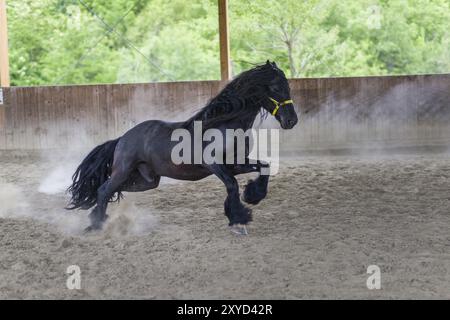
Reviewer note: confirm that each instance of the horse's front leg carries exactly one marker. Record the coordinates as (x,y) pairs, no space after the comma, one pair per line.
(255,190)
(238,215)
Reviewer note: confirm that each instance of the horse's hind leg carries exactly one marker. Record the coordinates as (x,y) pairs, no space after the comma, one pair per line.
(141,179)
(104,194)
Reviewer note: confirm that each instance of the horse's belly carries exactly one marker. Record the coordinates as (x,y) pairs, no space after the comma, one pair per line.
(186,172)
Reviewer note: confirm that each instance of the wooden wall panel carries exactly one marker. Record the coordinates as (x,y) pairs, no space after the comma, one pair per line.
(334,112)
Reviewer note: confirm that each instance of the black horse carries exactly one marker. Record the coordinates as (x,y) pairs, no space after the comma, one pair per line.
(136,161)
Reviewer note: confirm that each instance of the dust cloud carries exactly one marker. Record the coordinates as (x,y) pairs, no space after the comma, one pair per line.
(53,170)
(12,201)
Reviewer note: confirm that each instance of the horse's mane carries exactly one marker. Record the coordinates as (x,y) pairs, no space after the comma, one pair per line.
(240,98)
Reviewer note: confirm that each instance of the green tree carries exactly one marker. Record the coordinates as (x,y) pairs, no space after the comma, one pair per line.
(103,41)
(50,44)
(180,41)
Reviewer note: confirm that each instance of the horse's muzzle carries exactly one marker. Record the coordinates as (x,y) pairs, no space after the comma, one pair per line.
(289,123)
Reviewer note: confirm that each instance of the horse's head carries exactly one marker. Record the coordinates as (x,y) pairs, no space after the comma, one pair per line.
(279,102)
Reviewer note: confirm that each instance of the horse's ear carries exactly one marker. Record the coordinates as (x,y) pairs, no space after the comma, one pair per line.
(274,65)
(268,62)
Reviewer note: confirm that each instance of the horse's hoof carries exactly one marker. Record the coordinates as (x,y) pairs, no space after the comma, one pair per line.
(239,229)
(253,193)
(90,229)
(247,200)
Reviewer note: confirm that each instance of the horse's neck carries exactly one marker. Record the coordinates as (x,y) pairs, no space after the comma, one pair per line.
(252,116)
(247,122)
(243,122)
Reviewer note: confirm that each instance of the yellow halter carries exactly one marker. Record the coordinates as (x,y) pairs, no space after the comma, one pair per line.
(279,104)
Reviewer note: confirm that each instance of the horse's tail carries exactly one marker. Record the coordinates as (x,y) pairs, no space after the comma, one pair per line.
(90,175)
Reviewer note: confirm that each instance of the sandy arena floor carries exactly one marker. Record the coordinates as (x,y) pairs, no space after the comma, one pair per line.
(324,222)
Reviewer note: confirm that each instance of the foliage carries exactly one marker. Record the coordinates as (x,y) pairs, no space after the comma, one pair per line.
(102,41)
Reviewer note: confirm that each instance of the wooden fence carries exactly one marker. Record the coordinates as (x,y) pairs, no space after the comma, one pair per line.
(334,112)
